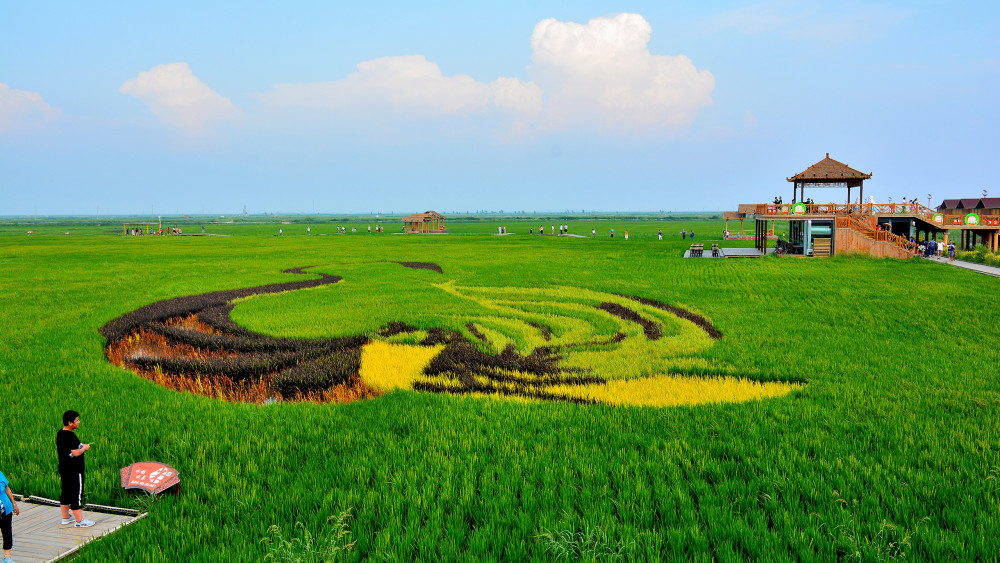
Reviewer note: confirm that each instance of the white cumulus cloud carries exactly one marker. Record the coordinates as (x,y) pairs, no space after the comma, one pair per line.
(408,84)
(598,75)
(21,109)
(601,73)
(179,98)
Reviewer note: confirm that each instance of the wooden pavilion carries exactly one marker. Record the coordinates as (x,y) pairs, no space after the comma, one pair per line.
(828,173)
(426,222)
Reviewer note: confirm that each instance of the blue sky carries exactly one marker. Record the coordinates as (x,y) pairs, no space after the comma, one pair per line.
(187,108)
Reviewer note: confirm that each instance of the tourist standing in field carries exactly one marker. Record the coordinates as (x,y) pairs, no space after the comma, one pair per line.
(593,232)
(71,470)
(659,234)
(8,509)
(626,234)
(684,234)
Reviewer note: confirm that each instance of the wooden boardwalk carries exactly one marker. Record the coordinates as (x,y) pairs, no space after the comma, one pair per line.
(730,253)
(38,537)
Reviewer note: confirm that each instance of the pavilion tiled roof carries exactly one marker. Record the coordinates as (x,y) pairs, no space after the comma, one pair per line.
(991,202)
(829,170)
(970,203)
(949,204)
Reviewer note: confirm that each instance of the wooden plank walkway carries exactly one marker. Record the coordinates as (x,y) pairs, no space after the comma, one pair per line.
(38,537)
(731,253)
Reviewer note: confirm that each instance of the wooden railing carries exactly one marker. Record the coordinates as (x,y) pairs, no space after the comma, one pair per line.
(847,209)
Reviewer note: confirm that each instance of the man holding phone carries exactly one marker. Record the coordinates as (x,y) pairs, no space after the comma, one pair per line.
(71,470)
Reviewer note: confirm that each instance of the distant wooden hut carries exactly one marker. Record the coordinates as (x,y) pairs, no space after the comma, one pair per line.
(426,222)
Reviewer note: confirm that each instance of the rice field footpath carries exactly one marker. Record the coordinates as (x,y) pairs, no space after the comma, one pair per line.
(884,446)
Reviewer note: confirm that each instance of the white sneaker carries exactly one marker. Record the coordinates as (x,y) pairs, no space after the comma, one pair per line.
(66,521)
(83,524)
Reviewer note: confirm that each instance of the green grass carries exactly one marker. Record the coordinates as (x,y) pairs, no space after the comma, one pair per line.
(890,451)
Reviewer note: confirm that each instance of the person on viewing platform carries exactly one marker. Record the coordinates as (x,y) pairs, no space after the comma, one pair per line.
(8,509)
(71,471)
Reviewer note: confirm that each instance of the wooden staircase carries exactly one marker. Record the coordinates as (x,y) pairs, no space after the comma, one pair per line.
(870,240)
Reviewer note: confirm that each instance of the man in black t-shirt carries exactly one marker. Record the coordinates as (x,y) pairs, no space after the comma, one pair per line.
(71,470)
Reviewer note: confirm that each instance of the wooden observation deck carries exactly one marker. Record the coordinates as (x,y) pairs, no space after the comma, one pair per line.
(890,223)
(879,229)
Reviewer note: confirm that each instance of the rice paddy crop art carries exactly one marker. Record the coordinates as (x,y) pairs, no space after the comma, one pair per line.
(360,335)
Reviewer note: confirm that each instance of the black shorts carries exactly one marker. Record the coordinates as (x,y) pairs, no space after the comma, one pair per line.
(72,490)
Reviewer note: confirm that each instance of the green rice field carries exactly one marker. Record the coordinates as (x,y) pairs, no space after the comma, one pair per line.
(887,449)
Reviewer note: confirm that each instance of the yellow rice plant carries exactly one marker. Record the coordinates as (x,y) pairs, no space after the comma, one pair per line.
(390,366)
(670,391)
